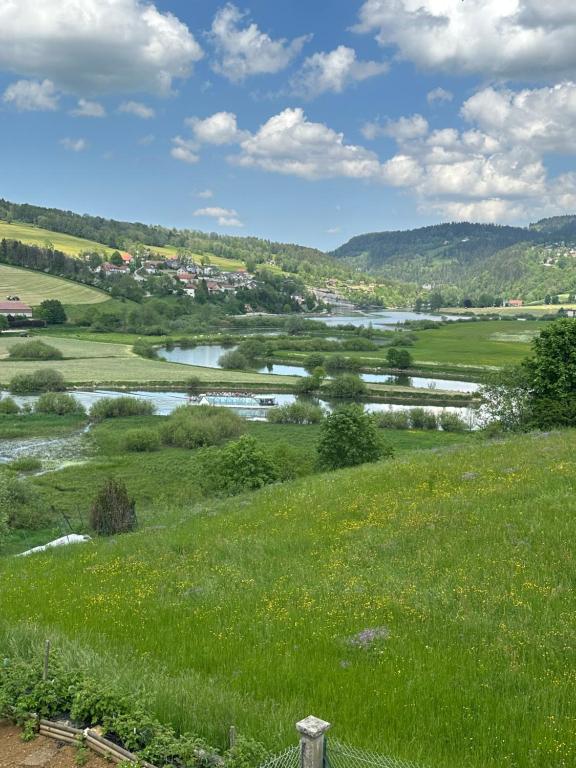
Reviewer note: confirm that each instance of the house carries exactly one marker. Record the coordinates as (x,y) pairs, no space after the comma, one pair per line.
(185,277)
(514,303)
(126,257)
(190,290)
(112,269)
(151,267)
(15,308)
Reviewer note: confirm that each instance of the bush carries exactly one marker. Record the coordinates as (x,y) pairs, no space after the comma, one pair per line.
(348,438)
(307,385)
(252,349)
(338,363)
(113,511)
(58,403)
(141,440)
(42,380)
(34,350)
(346,386)
(423,419)
(25,464)
(200,426)
(194,385)
(121,407)
(392,419)
(233,360)
(399,358)
(145,349)
(9,406)
(240,466)
(452,422)
(296,413)
(21,505)
(313,361)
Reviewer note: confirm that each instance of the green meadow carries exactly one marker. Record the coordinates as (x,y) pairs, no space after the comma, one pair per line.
(254,609)
(33,287)
(28,233)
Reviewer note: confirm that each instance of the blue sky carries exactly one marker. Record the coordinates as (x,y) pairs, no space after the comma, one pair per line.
(297,121)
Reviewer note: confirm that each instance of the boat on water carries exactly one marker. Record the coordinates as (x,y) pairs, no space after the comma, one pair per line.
(233,400)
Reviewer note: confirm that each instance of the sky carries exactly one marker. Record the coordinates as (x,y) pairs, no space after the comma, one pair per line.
(306,121)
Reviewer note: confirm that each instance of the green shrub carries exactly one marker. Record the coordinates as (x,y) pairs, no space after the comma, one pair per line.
(252,349)
(399,358)
(141,440)
(58,403)
(240,466)
(338,363)
(296,413)
(307,385)
(200,426)
(452,422)
(348,438)
(346,386)
(42,380)
(194,385)
(420,418)
(121,407)
(9,406)
(145,349)
(113,511)
(34,350)
(392,419)
(313,361)
(233,360)
(25,464)
(21,504)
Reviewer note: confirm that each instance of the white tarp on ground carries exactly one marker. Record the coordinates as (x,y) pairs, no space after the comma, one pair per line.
(72,538)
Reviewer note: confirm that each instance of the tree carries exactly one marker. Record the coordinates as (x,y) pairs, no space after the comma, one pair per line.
(4,324)
(243,465)
(399,358)
(116,259)
(348,386)
(113,511)
(52,311)
(348,437)
(506,398)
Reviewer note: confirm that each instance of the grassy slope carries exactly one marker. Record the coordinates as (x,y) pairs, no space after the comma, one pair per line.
(240,611)
(33,287)
(28,233)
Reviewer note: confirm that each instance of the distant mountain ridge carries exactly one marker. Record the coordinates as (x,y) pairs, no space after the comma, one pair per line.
(470,258)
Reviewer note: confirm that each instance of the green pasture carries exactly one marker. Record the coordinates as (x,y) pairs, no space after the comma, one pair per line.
(250,610)
(28,233)
(33,287)
(231,265)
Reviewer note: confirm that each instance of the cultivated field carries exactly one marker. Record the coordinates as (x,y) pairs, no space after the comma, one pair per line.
(69,244)
(33,287)
(424,608)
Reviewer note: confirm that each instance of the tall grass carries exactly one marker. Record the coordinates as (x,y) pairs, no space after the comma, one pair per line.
(242,611)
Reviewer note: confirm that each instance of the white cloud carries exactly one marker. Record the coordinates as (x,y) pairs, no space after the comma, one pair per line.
(137,109)
(219,128)
(87,108)
(244,50)
(226,217)
(403,129)
(184,150)
(205,194)
(543,119)
(74,145)
(506,38)
(145,141)
(32,96)
(333,230)
(333,72)
(289,143)
(96,46)
(439,95)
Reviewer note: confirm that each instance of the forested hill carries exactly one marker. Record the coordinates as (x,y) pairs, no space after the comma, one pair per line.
(472,258)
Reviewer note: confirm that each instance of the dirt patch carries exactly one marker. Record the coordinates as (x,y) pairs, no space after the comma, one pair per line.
(39,753)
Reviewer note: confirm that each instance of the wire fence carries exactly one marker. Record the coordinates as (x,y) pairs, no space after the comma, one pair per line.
(339,755)
(289,758)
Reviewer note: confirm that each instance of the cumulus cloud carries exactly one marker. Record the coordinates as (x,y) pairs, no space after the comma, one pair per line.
(333,72)
(96,46)
(522,39)
(87,108)
(74,145)
(289,143)
(137,109)
(225,217)
(439,95)
(243,49)
(184,150)
(32,96)
(402,129)
(219,128)
(543,118)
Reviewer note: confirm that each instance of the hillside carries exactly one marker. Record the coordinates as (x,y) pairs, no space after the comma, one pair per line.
(34,287)
(423,607)
(505,262)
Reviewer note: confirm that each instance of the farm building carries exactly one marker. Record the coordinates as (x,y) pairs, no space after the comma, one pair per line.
(15,308)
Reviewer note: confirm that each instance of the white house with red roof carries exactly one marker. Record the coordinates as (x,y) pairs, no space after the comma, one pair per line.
(15,308)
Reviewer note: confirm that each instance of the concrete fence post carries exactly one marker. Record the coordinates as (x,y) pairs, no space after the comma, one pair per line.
(312,731)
